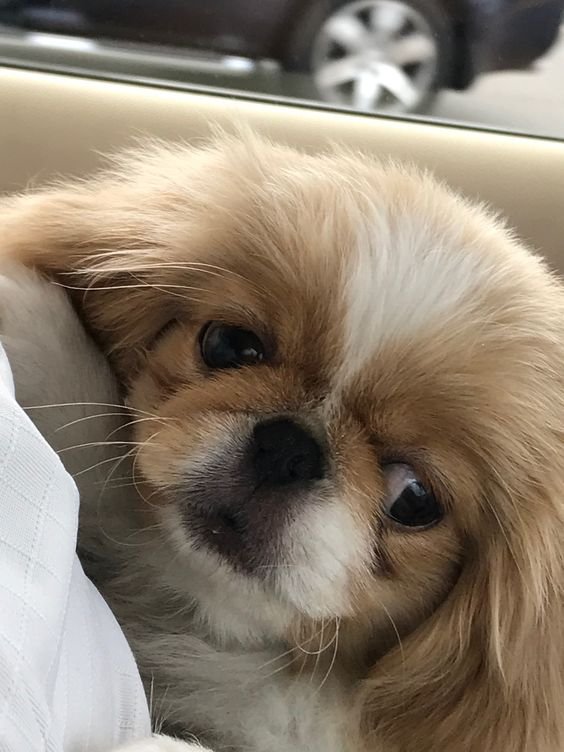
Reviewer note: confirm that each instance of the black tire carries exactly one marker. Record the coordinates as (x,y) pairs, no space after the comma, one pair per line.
(298,52)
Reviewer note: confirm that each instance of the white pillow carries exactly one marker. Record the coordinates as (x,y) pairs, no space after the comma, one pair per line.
(68,680)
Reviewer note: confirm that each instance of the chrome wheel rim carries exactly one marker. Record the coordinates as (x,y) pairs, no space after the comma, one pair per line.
(375,55)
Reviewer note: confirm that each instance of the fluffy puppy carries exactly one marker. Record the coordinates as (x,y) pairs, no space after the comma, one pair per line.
(347,399)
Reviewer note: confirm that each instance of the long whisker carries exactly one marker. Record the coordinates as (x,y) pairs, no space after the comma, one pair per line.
(140,284)
(128,408)
(123,544)
(276,658)
(97,465)
(287,652)
(135,447)
(281,668)
(285,565)
(396,631)
(158,716)
(334,657)
(293,650)
(135,421)
(119,479)
(137,266)
(101,444)
(135,269)
(124,414)
(319,652)
(168,289)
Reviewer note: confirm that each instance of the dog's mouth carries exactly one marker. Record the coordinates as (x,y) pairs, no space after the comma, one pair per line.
(242,531)
(225,527)
(228,533)
(226,523)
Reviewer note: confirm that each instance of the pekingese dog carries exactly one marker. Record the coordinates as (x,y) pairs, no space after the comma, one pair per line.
(342,527)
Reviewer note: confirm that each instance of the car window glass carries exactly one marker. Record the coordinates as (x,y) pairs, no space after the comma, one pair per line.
(493,63)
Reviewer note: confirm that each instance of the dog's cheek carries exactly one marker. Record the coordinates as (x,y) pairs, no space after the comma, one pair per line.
(413,573)
(174,449)
(151,389)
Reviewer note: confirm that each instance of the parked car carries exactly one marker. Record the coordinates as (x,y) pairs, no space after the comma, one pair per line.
(390,55)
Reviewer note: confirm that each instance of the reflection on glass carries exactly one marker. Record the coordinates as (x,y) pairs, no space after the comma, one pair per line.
(486,62)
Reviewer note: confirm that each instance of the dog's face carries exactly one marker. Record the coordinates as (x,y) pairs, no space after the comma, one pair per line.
(350,389)
(313,437)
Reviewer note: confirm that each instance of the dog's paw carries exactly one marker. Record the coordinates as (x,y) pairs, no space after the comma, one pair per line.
(159,743)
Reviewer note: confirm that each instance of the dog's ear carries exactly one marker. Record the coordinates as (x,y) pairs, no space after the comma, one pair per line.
(105,241)
(486,672)
(132,242)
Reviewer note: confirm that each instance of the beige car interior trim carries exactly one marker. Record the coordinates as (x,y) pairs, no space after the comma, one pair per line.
(58,124)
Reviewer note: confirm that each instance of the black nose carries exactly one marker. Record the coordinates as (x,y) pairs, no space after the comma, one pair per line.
(284,453)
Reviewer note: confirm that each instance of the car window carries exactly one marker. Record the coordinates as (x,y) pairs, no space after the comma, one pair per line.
(492,63)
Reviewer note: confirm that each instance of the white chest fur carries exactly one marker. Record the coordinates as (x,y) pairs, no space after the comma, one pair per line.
(250,700)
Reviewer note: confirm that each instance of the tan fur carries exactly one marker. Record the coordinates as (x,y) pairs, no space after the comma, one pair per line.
(449,638)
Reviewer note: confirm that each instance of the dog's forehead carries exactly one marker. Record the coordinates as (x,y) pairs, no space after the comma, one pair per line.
(400,285)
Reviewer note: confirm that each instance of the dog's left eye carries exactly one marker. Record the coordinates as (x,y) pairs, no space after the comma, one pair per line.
(408,501)
(225,346)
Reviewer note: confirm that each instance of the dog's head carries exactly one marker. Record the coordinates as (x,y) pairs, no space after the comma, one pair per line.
(348,385)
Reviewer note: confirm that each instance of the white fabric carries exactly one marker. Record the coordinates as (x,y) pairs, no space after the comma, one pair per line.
(68,680)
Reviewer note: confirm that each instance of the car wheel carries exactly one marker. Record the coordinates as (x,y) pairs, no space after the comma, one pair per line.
(386,55)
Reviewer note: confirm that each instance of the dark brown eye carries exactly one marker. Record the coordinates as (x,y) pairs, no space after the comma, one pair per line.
(225,346)
(408,501)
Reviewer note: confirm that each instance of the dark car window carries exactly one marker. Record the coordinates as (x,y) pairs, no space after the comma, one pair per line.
(495,63)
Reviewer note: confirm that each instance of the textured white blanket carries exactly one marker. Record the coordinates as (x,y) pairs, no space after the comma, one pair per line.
(68,680)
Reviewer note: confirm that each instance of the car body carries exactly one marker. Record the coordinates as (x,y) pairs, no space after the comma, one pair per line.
(504,34)
(470,37)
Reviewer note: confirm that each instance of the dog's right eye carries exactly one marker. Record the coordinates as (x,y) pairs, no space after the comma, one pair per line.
(225,346)
(408,501)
